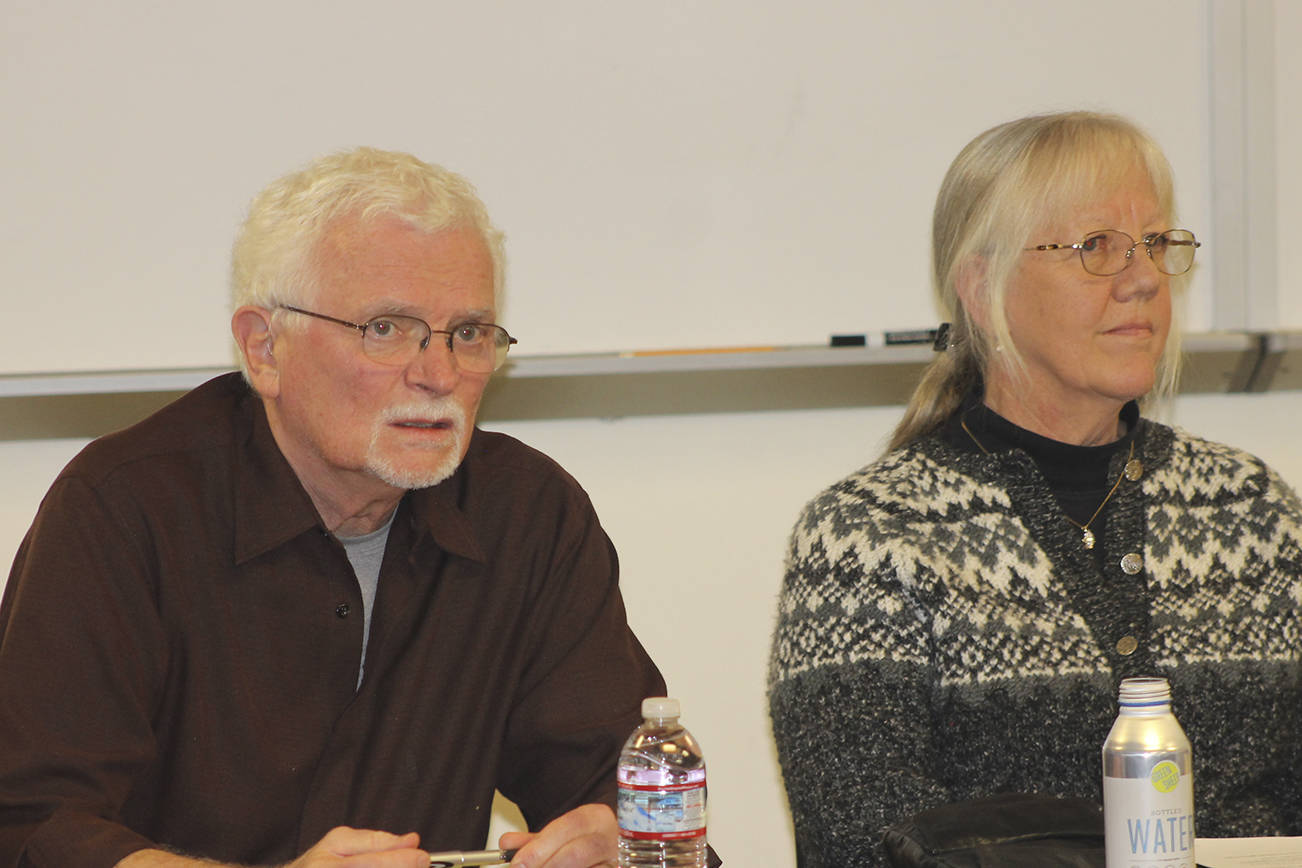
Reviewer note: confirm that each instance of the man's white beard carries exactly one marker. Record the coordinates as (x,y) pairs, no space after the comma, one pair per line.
(423,477)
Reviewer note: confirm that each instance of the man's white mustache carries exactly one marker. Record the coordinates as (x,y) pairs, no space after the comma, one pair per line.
(428,411)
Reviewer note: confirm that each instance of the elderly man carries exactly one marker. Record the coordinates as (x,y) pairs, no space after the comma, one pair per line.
(310,614)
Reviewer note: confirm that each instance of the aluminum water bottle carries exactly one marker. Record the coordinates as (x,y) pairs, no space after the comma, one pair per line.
(1148,808)
(661,792)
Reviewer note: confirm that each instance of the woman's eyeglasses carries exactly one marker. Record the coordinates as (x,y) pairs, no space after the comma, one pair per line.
(1110,251)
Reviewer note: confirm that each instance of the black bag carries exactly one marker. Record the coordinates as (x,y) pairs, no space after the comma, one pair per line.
(1010,830)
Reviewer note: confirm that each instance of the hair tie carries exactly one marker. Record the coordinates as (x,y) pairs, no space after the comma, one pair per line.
(941,342)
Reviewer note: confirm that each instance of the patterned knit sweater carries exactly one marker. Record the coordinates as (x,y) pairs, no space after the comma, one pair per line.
(942,634)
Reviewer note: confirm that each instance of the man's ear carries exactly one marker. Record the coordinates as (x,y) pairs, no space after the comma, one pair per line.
(973,291)
(251,327)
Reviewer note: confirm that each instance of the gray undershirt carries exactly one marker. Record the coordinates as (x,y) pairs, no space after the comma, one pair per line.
(366,554)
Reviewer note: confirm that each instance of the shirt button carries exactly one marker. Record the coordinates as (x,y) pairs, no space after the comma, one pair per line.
(1131,564)
(1134,469)
(343,609)
(1126,645)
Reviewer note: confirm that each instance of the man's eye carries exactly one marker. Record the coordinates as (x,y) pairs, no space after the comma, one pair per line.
(469,333)
(385,328)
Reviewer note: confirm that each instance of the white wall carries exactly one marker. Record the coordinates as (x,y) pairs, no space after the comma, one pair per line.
(700,508)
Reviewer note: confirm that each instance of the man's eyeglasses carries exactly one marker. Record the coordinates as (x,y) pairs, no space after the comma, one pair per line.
(394,339)
(1110,251)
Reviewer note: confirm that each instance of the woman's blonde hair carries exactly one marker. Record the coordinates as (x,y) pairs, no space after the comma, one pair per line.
(1008,182)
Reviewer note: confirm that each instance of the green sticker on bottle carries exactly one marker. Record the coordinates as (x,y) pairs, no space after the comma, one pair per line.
(1165,776)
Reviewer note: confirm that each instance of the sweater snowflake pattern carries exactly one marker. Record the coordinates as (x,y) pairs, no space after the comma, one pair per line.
(943,634)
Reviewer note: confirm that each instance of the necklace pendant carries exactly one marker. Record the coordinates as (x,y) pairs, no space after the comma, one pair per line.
(1087,538)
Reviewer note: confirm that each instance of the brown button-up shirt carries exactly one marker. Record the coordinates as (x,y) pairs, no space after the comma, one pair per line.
(180,641)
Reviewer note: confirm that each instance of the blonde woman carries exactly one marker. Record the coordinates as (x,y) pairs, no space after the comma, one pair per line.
(956,617)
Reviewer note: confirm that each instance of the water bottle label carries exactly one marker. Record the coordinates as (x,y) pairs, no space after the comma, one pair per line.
(1149,820)
(664,813)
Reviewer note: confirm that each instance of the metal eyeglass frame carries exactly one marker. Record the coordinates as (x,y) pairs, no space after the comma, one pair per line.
(1147,241)
(499,360)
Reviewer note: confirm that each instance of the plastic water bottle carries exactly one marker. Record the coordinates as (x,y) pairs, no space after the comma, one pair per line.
(661,792)
(1148,813)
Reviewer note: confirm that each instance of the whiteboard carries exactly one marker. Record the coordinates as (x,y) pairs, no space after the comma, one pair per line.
(668,175)
(1288,139)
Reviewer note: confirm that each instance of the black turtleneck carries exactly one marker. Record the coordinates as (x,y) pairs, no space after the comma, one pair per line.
(1077,475)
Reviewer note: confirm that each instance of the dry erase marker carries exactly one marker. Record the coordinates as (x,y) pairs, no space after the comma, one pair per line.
(853,340)
(470,857)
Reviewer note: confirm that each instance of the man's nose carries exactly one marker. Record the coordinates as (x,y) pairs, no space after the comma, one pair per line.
(435,367)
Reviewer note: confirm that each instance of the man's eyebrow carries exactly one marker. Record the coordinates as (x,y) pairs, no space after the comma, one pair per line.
(483,315)
(393,307)
(389,306)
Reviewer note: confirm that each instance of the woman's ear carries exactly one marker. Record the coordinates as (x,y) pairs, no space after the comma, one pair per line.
(251,326)
(973,290)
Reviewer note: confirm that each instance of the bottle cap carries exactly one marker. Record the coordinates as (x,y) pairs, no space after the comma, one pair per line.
(660,707)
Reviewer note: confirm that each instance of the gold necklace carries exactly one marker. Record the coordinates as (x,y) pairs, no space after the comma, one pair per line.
(1087,536)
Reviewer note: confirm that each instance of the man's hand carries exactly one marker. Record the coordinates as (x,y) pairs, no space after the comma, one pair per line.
(363,848)
(340,848)
(586,837)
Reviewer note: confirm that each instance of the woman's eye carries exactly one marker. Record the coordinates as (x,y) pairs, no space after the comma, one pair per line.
(1094,243)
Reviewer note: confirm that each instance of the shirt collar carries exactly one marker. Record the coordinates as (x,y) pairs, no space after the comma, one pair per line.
(272,507)
(442,510)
